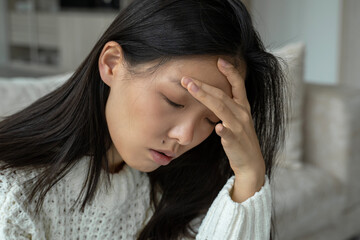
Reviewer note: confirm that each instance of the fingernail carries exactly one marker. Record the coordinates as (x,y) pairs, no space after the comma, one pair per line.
(186,80)
(194,88)
(224,63)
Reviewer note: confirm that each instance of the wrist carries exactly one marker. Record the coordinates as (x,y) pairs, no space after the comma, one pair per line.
(246,185)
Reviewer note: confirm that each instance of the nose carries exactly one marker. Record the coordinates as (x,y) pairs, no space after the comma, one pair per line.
(183,132)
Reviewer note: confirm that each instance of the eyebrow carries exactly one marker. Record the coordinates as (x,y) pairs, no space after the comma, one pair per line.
(178,83)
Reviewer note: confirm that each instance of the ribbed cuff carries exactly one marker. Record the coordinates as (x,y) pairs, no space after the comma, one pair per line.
(229,220)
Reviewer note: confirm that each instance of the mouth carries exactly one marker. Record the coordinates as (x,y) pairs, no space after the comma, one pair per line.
(162,157)
(167,153)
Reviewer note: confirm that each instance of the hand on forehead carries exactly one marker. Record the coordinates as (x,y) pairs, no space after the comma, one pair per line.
(204,69)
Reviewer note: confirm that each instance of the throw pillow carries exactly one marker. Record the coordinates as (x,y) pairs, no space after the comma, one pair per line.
(18,93)
(293,56)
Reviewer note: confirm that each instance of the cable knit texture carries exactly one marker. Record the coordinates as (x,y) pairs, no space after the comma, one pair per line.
(119,212)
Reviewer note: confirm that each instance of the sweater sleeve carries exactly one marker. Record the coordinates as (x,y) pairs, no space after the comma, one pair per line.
(230,220)
(15,222)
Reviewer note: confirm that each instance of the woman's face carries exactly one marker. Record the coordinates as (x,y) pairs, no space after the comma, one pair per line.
(152,114)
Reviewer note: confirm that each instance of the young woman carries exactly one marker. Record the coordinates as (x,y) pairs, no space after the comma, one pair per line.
(167,130)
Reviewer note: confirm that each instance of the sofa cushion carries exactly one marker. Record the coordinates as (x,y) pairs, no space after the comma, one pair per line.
(305,200)
(17,93)
(293,67)
(332,134)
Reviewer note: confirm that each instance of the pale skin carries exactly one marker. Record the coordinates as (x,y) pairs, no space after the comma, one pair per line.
(237,132)
(215,91)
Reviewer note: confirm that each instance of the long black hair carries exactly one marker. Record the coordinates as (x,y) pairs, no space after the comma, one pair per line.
(69,123)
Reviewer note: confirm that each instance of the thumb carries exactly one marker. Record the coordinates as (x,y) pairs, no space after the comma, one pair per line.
(222,131)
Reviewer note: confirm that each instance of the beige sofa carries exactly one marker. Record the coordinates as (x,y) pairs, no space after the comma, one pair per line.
(321,199)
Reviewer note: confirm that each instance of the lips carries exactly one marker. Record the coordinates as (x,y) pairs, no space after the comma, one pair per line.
(167,153)
(162,157)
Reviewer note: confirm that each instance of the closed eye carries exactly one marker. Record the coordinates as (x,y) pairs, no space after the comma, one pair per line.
(172,103)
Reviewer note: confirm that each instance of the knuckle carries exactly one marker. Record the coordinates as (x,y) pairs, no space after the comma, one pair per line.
(202,94)
(239,130)
(246,117)
(220,106)
(222,96)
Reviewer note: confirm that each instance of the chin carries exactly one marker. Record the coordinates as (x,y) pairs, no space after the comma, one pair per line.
(146,168)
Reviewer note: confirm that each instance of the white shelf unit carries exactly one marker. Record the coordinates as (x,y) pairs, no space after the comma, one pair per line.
(33,39)
(52,41)
(78,32)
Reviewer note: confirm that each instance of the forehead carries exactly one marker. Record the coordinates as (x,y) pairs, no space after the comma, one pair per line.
(202,68)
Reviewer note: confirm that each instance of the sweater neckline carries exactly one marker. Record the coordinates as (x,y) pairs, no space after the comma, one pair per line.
(122,184)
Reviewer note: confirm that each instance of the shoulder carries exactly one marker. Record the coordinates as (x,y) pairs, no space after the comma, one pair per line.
(14,178)
(13,184)
(12,191)
(15,219)
(18,182)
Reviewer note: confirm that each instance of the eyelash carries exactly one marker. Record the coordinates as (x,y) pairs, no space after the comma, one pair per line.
(181,106)
(173,104)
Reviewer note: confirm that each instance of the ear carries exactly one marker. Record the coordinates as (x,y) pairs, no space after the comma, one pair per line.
(110,60)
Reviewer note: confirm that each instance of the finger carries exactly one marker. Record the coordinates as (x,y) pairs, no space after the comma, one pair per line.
(213,91)
(228,137)
(239,111)
(217,106)
(236,80)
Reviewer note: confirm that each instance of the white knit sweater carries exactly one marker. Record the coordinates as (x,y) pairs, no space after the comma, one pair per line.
(121,212)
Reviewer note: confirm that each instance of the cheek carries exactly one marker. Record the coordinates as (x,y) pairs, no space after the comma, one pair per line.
(149,116)
(116,118)
(206,132)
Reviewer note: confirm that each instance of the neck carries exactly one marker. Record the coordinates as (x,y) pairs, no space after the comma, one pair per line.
(115,162)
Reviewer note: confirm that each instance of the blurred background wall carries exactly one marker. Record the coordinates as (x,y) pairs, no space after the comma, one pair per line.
(3,32)
(350,54)
(329,28)
(42,37)
(316,22)
(49,36)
